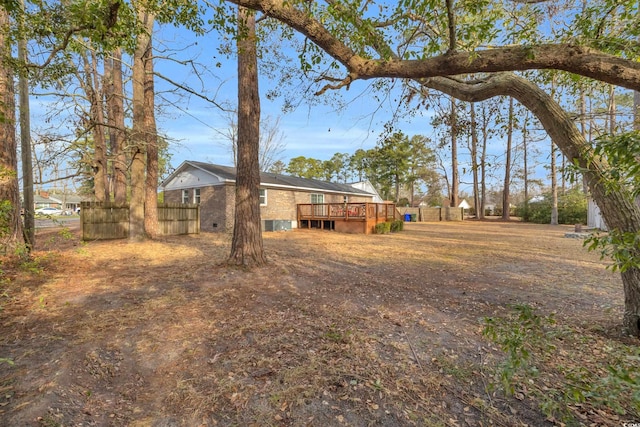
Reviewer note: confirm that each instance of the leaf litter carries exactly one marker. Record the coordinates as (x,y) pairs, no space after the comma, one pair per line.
(336,330)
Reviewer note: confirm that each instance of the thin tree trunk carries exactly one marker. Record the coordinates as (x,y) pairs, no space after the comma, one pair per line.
(474,159)
(115,106)
(583,127)
(455,179)
(636,110)
(10,221)
(412,188)
(563,177)
(396,179)
(151,184)
(506,199)
(554,172)
(25,149)
(246,246)
(483,162)
(612,110)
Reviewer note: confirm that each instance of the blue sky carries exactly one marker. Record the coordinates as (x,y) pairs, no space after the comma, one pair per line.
(317,131)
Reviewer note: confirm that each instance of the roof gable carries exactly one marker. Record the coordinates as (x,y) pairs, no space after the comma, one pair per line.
(195,174)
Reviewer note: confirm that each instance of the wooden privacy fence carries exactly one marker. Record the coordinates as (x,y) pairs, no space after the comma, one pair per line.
(101,221)
(433,214)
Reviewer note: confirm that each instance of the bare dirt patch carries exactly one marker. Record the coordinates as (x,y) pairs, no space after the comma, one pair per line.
(337,330)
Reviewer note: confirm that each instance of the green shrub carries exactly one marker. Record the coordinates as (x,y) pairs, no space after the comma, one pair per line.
(572,209)
(403,202)
(383,228)
(397,225)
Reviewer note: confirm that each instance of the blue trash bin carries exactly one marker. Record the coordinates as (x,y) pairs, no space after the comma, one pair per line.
(407,217)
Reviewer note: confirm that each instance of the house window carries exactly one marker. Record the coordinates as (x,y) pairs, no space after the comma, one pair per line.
(196,196)
(317,198)
(263,197)
(185,196)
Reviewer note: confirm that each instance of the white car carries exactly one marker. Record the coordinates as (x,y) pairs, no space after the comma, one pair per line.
(48,211)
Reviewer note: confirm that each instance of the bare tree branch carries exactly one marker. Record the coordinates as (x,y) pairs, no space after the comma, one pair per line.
(344,82)
(189,90)
(62,178)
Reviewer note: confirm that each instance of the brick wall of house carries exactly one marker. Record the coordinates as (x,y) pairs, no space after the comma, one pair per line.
(216,206)
(281,204)
(173,196)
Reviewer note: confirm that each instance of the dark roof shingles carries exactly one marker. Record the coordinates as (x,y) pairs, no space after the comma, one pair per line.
(266,178)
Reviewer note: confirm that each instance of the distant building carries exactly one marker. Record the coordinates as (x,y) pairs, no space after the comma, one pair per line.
(65,202)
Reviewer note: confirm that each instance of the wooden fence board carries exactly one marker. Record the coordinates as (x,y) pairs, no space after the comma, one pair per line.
(103,221)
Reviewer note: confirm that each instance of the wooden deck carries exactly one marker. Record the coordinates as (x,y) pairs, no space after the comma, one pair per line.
(345,217)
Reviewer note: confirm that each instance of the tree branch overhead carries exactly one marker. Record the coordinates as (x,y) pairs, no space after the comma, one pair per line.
(581,60)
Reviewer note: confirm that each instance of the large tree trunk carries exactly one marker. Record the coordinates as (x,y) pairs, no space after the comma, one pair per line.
(246,247)
(139,136)
(115,107)
(25,150)
(151,183)
(96,123)
(525,165)
(618,208)
(10,222)
(631,317)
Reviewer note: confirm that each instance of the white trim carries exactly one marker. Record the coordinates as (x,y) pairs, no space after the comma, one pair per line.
(187,187)
(316,190)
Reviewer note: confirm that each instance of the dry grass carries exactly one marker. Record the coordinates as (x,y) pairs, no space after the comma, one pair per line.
(336,330)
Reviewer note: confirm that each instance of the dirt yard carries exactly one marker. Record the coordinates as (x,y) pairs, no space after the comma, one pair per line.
(338,330)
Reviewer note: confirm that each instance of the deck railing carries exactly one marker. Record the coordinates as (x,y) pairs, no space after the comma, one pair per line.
(346,211)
